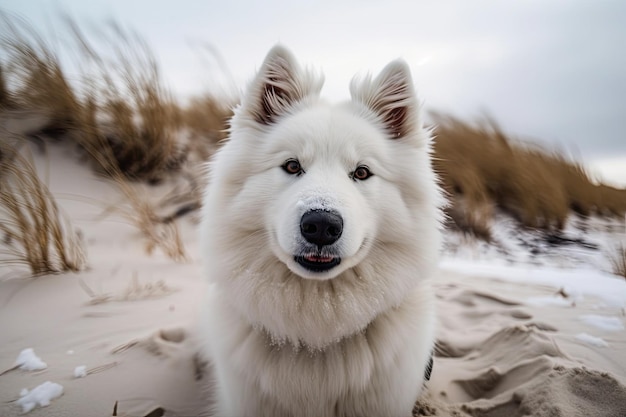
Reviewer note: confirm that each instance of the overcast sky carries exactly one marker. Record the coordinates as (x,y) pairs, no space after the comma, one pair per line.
(550,70)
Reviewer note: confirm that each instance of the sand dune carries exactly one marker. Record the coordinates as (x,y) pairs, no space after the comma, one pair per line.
(499,356)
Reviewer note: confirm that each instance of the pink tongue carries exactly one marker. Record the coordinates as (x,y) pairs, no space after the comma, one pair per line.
(315,258)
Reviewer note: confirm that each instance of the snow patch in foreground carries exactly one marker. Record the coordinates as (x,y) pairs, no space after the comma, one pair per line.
(591,340)
(80,371)
(547,301)
(41,396)
(609,323)
(28,361)
(577,283)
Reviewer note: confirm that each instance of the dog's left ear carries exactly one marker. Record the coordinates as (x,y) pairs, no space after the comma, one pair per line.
(278,86)
(391,97)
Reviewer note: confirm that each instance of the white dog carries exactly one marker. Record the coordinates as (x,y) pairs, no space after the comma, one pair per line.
(321,227)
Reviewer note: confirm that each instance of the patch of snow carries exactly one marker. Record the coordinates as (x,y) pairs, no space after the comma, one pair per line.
(584,242)
(41,396)
(591,340)
(28,361)
(80,371)
(609,323)
(576,283)
(549,301)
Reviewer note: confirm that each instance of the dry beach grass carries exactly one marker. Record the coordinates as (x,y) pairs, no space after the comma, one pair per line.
(34,231)
(482,168)
(113,103)
(118,112)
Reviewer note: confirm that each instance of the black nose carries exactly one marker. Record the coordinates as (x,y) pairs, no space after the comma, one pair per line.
(321,227)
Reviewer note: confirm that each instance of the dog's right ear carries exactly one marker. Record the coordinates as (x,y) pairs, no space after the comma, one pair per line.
(279,85)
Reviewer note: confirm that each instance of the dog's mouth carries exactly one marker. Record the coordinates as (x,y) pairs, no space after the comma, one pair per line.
(317,263)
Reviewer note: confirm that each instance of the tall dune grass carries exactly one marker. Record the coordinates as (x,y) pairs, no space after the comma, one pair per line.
(114,103)
(481,168)
(33,69)
(116,109)
(5,98)
(35,232)
(140,211)
(206,117)
(136,117)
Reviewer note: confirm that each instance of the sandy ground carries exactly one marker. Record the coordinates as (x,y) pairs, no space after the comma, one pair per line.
(130,320)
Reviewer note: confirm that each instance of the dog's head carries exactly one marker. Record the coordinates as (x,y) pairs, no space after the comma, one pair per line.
(308,193)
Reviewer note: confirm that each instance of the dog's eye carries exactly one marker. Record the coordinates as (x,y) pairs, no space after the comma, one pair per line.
(292,166)
(361,173)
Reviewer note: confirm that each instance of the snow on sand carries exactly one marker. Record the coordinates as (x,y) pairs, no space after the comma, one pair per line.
(41,396)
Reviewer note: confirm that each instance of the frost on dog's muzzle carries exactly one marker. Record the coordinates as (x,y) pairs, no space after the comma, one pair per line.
(320,228)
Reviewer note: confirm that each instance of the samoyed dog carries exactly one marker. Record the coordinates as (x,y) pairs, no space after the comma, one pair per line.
(320,230)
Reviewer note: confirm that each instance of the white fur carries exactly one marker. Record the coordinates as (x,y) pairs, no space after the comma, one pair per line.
(351,341)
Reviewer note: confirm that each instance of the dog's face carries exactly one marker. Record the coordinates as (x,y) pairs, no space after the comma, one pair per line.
(310,199)
(325,166)
(327,191)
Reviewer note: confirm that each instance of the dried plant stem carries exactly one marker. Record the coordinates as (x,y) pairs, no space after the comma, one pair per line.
(618,261)
(36,233)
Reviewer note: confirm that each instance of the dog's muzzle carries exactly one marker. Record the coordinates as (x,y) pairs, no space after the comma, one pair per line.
(320,228)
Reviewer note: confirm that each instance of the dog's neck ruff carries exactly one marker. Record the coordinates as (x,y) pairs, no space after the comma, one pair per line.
(313,314)
(297,346)
(325,287)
